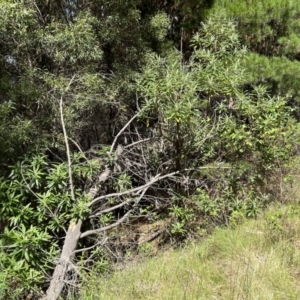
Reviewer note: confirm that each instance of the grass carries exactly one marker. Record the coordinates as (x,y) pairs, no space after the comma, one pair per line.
(259,259)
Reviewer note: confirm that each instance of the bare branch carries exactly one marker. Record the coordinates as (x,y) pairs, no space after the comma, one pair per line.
(137,142)
(93,246)
(76,144)
(37,8)
(121,204)
(67,148)
(137,189)
(95,231)
(120,132)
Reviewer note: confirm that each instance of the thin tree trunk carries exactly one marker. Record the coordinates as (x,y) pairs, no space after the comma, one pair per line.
(58,278)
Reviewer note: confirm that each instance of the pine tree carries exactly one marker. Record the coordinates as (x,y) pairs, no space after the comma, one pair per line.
(271,31)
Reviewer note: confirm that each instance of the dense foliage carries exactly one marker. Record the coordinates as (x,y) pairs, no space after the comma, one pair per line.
(118,111)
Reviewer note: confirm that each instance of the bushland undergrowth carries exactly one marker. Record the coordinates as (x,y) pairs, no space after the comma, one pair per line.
(124,122)
(258,259)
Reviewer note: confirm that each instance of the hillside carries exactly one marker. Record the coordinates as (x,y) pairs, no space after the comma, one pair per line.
(259,259)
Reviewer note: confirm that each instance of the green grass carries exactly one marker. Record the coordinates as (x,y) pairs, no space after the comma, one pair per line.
(259,259)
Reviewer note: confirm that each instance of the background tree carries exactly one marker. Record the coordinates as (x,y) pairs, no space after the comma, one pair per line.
(270,29)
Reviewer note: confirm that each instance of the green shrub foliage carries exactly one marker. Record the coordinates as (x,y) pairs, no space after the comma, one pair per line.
(215,100)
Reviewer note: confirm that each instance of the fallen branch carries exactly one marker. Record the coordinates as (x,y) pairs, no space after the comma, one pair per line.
(121,204)
(95,231)
(134,190)
(58,279)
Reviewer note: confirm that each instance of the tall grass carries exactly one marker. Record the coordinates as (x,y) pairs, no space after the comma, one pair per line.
(259,259)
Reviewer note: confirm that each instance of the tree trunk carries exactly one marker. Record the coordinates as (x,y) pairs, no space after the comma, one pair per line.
(59,275)
(58,279)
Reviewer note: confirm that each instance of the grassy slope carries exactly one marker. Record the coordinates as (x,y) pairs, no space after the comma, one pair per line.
(259,259)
